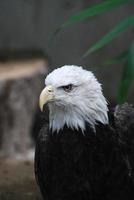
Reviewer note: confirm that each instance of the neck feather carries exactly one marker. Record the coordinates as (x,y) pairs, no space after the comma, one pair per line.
(75,117)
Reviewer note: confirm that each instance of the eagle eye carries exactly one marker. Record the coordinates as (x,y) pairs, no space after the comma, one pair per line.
(67,88)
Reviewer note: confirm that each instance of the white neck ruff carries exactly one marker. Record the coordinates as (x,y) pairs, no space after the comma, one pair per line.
(76,117)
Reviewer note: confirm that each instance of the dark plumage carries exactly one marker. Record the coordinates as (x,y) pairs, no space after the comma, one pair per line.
(97,165)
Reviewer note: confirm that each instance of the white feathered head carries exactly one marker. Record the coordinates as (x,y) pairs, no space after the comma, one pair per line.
(74,97)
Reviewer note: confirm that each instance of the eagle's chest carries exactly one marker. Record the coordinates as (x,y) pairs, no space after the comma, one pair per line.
(83,165)
(79,158)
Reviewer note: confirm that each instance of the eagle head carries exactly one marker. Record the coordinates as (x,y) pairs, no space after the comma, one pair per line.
(74,97)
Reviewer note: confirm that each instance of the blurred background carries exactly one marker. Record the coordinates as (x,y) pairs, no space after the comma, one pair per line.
(29,49)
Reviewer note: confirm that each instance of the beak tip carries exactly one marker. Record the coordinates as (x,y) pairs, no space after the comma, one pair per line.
(41,106)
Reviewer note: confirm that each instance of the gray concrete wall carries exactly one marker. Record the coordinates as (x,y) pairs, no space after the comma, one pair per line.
(31,23)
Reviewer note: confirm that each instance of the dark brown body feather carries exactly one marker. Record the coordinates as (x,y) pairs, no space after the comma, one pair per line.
(91,166)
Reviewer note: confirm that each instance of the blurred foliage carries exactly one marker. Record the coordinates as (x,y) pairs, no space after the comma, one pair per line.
(127,56)
(128,75)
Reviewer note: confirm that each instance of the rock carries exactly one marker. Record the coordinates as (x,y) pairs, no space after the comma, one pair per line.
(20,85)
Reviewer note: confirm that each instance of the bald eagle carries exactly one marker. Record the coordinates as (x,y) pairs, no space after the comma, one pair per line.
(85,152)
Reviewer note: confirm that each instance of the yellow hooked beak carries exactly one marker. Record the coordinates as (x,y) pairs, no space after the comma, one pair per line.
(46,96)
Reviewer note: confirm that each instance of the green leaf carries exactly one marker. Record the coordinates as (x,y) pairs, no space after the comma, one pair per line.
(94,10)
(121,27)
(127,77)
(123,56)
